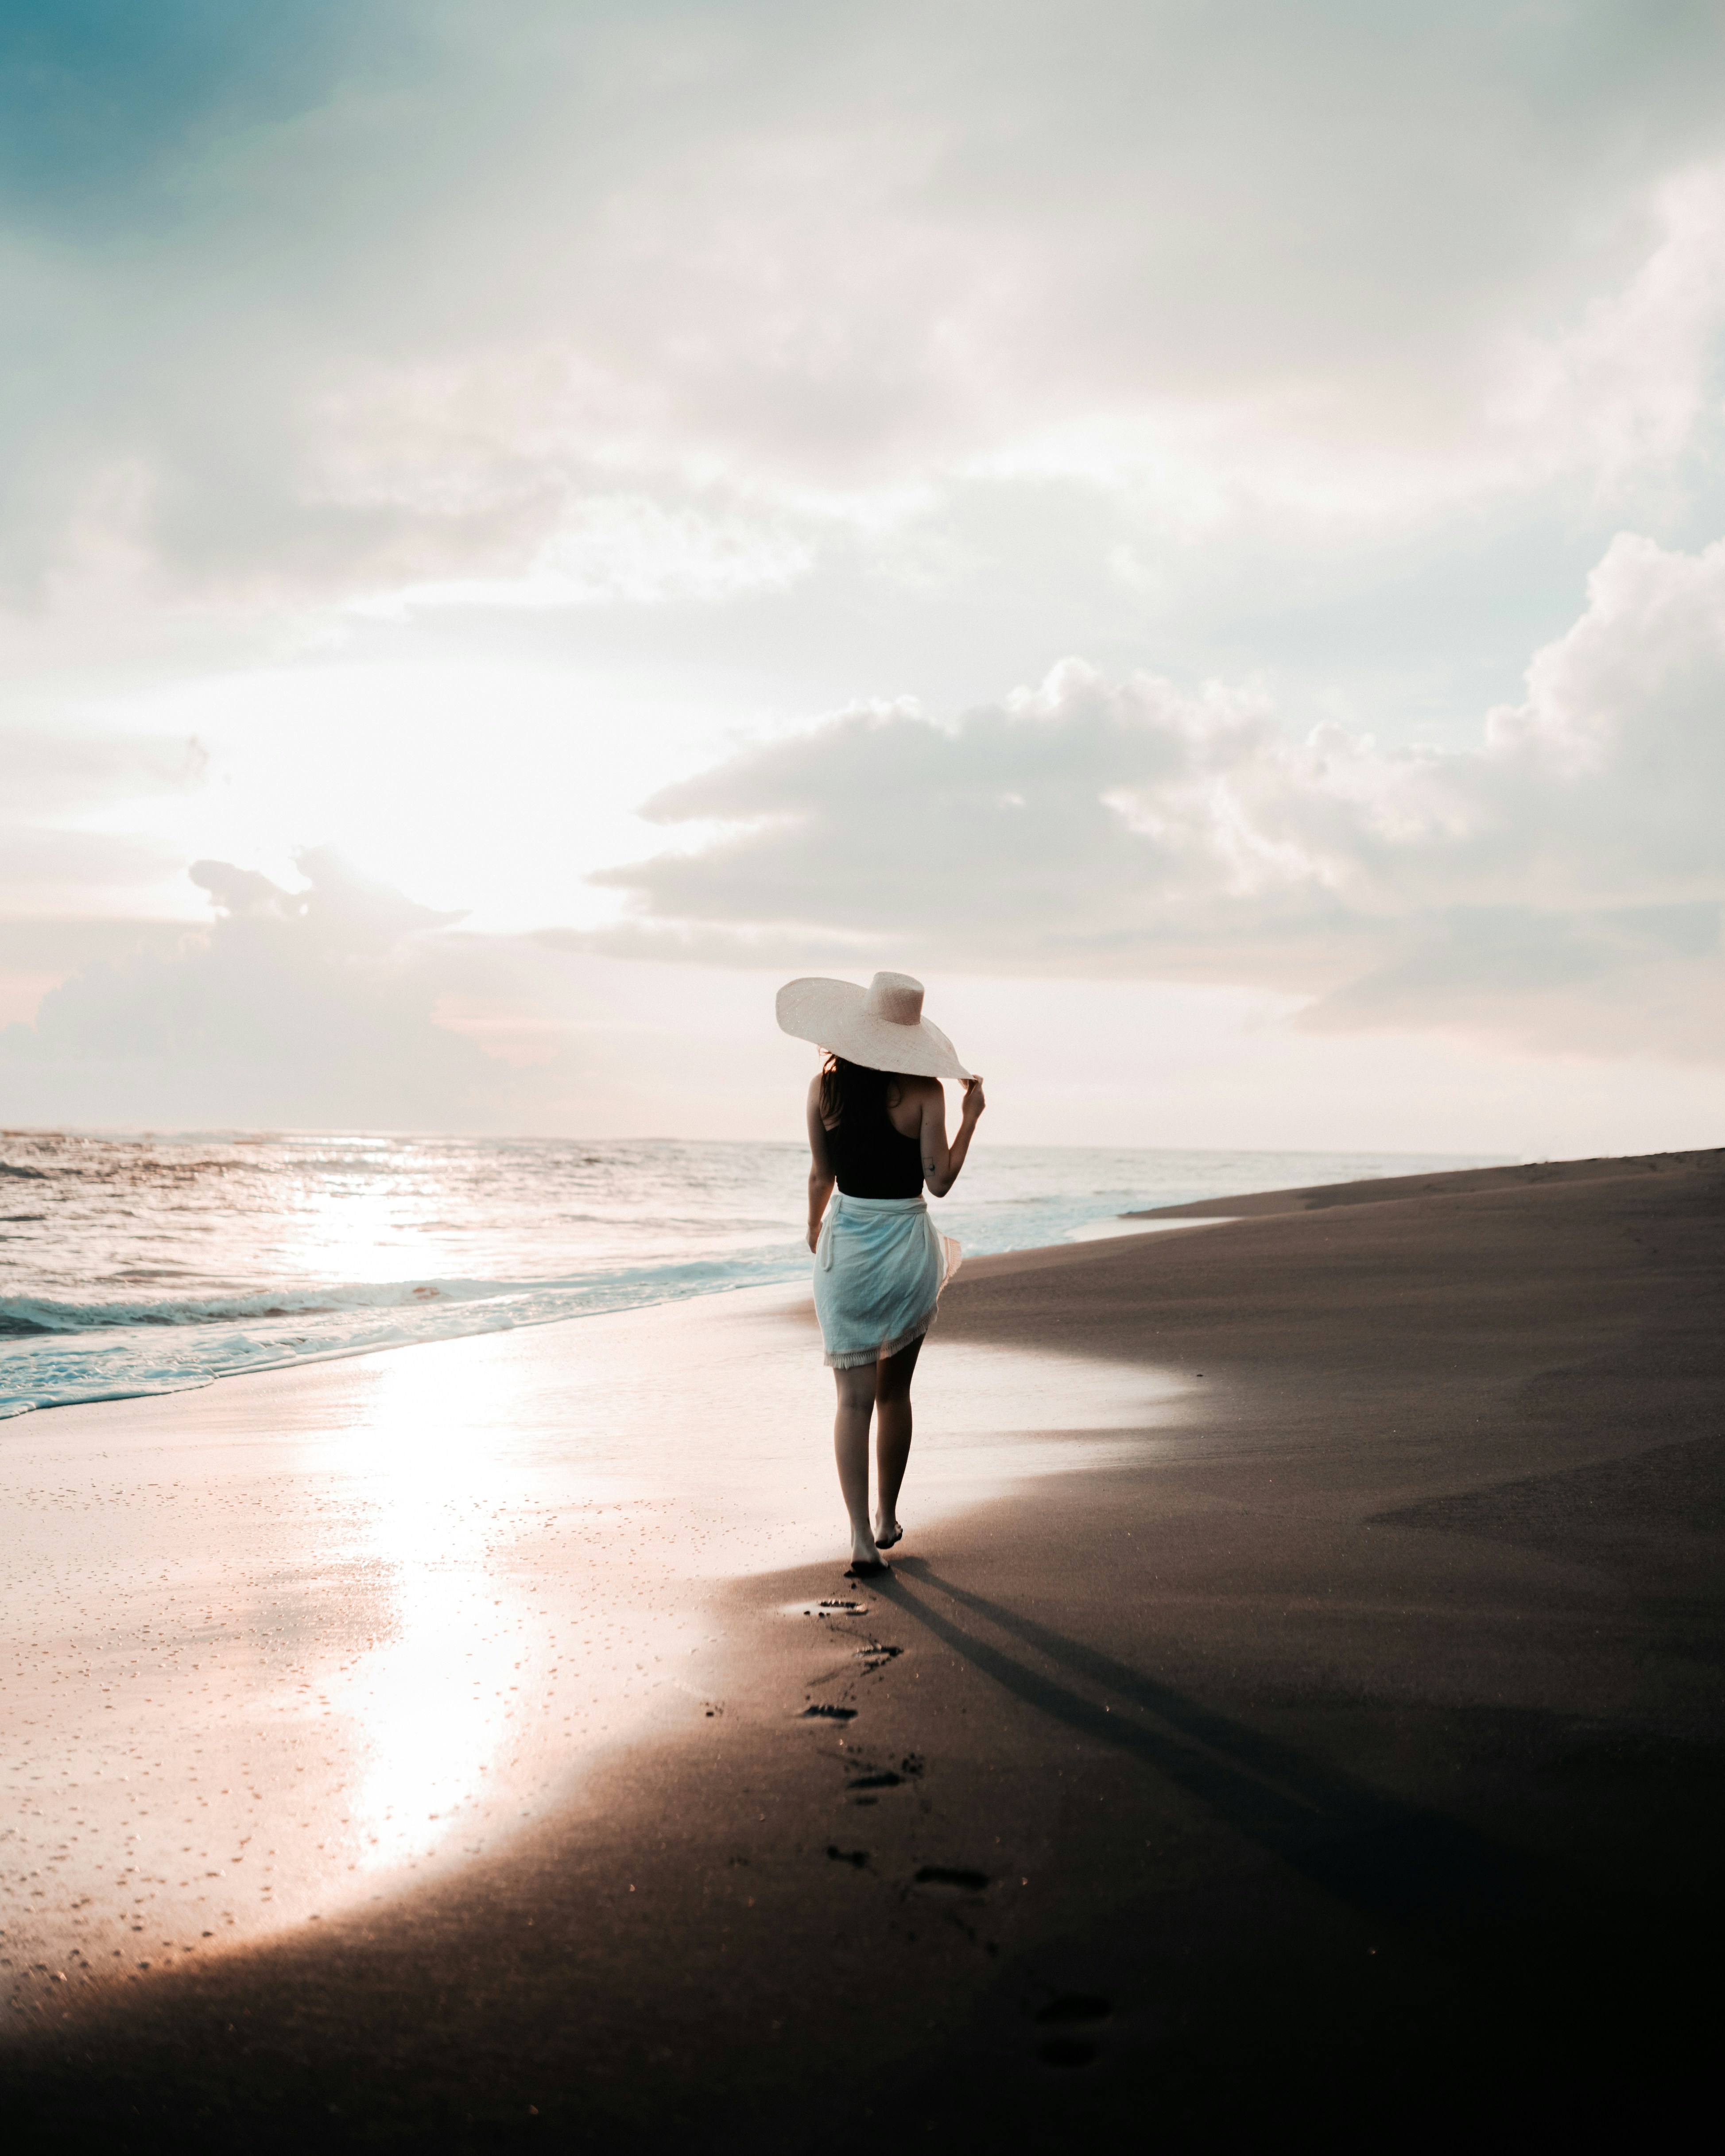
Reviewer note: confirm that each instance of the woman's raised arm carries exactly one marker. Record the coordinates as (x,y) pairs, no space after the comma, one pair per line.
(941,1162)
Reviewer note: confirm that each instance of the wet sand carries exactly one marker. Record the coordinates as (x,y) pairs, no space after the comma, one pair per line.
(1295,1708)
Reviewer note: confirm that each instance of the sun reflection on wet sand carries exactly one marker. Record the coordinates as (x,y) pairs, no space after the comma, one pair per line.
(423,1705)
(298,1641)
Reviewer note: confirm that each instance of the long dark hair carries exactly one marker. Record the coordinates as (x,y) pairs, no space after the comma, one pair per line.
(855,1083)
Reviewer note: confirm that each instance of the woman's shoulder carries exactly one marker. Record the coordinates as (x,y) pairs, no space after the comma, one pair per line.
(814,1106)
(908,1087)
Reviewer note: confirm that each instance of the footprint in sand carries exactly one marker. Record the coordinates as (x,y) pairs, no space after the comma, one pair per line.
(951,1874)
(884,1779)
(820,1711)
(867,1777)
(1068,2013)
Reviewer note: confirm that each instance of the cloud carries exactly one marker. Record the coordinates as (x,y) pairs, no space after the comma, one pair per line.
(66,790)
(311,1008)
(50,771)
(343,1004)
(70,871)
(1558,882)
(1632,379)
(611,549)
(409,302)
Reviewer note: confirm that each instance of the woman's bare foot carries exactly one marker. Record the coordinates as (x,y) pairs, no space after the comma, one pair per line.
(888,1534)
(863,1548)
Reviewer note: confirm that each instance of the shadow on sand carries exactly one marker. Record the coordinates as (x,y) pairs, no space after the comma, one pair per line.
(1392,1859)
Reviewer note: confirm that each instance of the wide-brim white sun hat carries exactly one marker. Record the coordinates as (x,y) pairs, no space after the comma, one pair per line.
(882,1027)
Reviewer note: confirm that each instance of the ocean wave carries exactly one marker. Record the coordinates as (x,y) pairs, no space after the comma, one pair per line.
(42,1314)
(15,1326)
(24,1316)
(65,1354)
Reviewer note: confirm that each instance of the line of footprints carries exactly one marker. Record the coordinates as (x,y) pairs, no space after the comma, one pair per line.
(1071,2018)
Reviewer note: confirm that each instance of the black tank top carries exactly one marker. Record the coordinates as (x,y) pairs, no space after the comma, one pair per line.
(869,1157)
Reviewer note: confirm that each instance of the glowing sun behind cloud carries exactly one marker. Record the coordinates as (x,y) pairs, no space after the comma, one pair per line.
(1107,500)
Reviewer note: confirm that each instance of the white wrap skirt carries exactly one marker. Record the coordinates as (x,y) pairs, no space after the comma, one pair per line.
(879,1265)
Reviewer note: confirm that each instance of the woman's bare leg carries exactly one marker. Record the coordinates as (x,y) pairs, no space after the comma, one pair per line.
(893,1439)
(850,1449)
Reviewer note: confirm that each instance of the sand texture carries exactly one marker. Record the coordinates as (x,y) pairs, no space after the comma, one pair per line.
(1295,1711)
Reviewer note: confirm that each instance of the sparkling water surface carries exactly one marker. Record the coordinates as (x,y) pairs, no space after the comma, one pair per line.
(133,1264)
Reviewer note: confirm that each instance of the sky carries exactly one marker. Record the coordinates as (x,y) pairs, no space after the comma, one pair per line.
(1197,529)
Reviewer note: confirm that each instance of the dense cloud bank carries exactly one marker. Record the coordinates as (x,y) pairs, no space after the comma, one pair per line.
(313,1008)
(1558,885)
(1560,882)
(406,298)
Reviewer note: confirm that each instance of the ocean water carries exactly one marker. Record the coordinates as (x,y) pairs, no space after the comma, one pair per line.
(132,1265)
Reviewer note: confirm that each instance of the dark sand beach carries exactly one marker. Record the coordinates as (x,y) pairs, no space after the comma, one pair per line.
(1338,1759)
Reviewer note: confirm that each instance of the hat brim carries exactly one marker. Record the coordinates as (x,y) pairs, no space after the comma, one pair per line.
(830,1013)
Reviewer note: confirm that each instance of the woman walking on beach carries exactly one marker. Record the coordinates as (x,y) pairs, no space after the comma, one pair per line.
(877,1128)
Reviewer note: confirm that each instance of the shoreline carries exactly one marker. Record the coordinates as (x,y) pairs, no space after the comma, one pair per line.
(1352,1711)
(240,1329)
